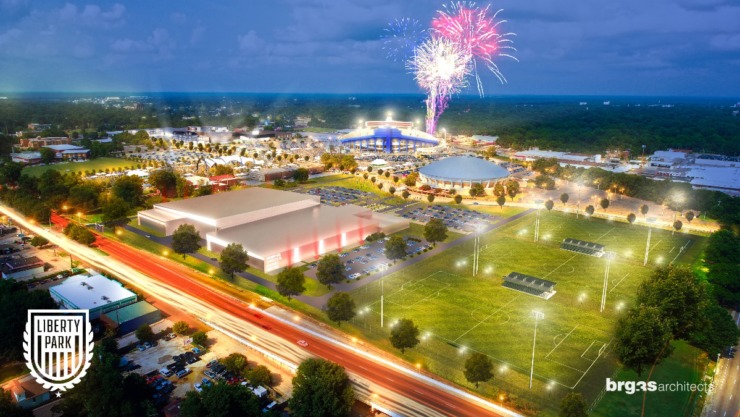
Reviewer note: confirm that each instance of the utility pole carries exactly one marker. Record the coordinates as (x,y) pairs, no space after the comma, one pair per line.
(537,316)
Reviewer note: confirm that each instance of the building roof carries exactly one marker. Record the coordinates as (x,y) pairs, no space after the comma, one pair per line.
(529,281)
(21,264)
(130,312)
(464,168)
(87,292)
(232,203)
(59,148)
(280,233)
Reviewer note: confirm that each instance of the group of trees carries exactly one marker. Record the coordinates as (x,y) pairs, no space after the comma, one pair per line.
(672,304)
(15,301)
(344,162)
(722,257)
(79,234)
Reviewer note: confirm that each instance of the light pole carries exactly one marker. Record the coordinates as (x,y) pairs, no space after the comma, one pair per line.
(578,204)
(537,316)
(649,221)
(537,222)
(608,256)
(476,249)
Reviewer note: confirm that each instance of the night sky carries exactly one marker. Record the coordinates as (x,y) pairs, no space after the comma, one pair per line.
(599,47)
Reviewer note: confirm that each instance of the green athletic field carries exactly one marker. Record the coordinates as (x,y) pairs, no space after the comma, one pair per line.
(458,313)
(93,164)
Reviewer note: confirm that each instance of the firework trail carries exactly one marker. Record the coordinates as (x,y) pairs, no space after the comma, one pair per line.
(441,67)
(476,30)
(401,37)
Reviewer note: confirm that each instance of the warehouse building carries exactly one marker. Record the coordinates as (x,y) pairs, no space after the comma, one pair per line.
(277,228)
(127,319)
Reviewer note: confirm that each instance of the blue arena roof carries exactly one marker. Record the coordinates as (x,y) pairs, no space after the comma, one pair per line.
(463,168)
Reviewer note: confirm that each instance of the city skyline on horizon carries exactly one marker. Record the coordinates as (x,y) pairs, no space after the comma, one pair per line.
(689,48)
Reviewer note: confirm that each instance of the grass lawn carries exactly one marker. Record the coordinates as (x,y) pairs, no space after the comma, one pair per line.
(93,164)
(683,365)
(458,313)
(505,211)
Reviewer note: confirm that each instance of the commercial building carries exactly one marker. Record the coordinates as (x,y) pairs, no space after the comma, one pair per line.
(39,142)
(22,268)
(461,172)
(28,158)
(93,292)
(69,152)
(128,318)
(277,228)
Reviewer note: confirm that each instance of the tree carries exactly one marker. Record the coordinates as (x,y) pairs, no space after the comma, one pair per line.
(590,210)
(392,190)
(677,225)
(15,301)
(395,248)
(301,175)
(435,231)
(380,186)
(47,155)
(144,333)
(233,259)
(185,240)
(477,190)
(221,169)
(458,199)
(564,197)
(84,196)
(512,188)
(236,363)
(498,189)
(430,198)
(405,194)
(678,295)
(411,179)
(478,368)
(549,204)
(644,209)
(38,241)
(200,338)
(180,327)
(129,188)
(340,307)
(604,203)
(501,200)
(259,375)
(165,180)
(221,400)
(291,282)
(631,218)
(716,331)
(330,270)
(79,234)
(545,182)
(321,388)
(689,216)
(404,335)
(279,183)
(642,337)
(573,405)
(10,173)
(115,211)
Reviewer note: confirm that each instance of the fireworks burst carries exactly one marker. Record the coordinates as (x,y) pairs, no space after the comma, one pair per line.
(476,30)
(401,37)
(441,67)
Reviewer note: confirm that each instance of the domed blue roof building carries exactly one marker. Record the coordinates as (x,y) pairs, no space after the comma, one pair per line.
(462,171)
(388,136)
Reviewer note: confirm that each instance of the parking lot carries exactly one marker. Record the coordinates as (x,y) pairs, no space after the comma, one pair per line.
(13,246)
(339,195)
(368,258)
(161,363)
(453,217)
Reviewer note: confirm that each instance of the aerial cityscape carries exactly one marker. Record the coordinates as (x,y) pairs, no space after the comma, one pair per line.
(346,208)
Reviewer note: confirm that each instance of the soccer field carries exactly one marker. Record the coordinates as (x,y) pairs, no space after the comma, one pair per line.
(93,164)
(458,313)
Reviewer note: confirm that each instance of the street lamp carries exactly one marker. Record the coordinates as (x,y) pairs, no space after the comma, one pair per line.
(649,221)
(537,316)
(383,268)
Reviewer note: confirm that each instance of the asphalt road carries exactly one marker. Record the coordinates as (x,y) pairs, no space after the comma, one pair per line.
(725,401)
(416,393)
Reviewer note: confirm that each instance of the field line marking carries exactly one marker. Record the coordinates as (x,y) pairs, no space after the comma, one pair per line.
(568,366)
(620,281)
(589,368)
(604,235)
(559,266)
(561,341)
(487,317)
(588,348)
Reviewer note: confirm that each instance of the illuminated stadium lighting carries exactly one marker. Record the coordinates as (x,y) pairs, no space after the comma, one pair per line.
(659,260)
(463,349)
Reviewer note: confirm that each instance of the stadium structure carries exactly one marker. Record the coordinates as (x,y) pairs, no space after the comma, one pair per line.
(276,228)
(461,171)
(389,136)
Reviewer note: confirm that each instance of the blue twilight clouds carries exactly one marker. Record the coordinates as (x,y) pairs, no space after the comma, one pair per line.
(629,47)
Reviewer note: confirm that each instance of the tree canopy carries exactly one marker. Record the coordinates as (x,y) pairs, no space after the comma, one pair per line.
(404,335)
(291,282)
(435,230)
(478,368)
(395,248)
(330,270)
(321,388)
(340,307)
(185,240)
(233,259)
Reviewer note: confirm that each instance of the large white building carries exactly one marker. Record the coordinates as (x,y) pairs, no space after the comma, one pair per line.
(276,228)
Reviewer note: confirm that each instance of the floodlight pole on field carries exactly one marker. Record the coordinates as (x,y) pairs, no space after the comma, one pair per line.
(476,249)
(537,227)
(382,293)
(650,221)
(537,316)
(608,256)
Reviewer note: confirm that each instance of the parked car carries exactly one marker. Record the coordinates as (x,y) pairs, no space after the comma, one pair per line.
(165,372)
(183,372)
(211,363)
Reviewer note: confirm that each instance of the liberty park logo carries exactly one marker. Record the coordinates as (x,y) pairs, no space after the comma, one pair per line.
(58,347)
